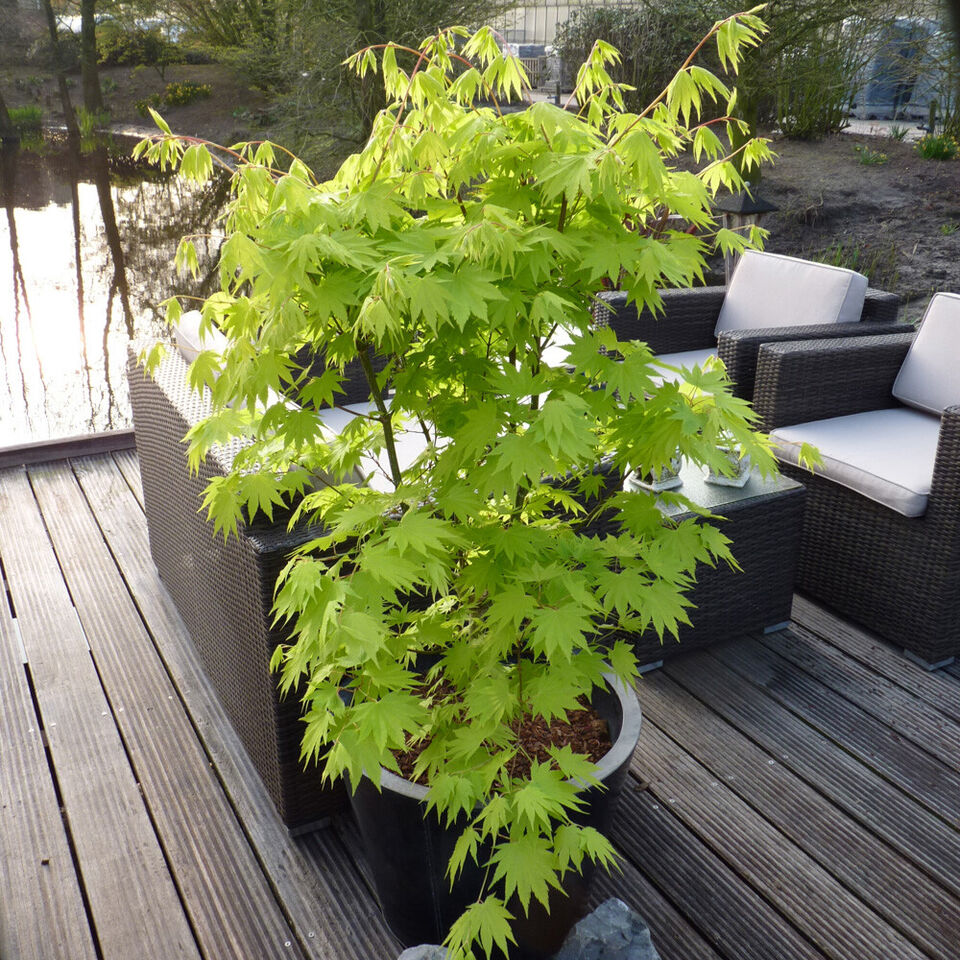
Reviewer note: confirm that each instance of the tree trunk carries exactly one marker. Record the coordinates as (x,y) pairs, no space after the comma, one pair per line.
(6,126)
(70,118)
(92,97)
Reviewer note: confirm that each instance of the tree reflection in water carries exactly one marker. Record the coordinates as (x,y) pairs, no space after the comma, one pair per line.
(86,259)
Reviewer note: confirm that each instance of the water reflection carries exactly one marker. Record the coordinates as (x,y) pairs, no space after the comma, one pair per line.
(86,258)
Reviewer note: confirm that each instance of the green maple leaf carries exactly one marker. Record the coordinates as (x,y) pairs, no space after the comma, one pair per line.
(526,866)
(486,922)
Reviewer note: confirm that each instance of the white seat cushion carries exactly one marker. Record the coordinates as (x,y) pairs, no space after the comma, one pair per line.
(409,439)
(770,290)
(930,376)
(687,358)
(886,455)
(189,342)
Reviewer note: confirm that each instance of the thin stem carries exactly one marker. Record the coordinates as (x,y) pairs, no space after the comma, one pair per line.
(385,418)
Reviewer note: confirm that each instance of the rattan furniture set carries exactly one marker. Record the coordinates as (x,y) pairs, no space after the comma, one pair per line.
(224,589)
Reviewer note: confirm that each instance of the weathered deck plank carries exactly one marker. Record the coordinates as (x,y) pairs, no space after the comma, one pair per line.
(217,874)
(916,833)
(41,905)
(841,924)
(930,729)
(791,803)
(913,770)
(714,899)
(932,687)
(906,897)
(133,900)
(129,466)
(330,920)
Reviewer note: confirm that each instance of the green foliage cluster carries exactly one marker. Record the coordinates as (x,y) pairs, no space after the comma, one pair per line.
(938,146)
(26,119)
(463,243)
(800,81)
(180,93)
(119,44)
(184,92)
(652,39)
(869,157)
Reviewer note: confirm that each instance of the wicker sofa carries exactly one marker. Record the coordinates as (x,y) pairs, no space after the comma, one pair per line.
(223,589)
(881,536)
(771,298)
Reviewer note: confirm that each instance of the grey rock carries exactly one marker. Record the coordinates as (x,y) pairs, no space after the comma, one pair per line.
(612,932)
(426,951)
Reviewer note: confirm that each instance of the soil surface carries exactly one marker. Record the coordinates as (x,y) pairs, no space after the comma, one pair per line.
(896,220)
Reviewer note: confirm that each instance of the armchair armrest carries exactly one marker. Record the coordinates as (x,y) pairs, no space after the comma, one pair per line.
(799,381)
(686,323)
(739,349)
(944,504)
(879,306)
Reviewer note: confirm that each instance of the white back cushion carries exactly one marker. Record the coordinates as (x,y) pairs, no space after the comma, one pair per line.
(885,455)
(770,290)
(687,359)
(189,342)
(930,376)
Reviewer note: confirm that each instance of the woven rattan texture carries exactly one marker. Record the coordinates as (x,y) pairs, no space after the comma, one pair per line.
(690,316)
(686,323)
(898,576)
(799,382)
(223,590)
(765,536)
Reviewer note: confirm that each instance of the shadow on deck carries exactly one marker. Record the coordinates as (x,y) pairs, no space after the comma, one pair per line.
(794,796)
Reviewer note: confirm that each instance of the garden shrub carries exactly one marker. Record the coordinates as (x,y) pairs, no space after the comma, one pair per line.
(26,119)
(811,92)
(121,45)
(184,92)
(938,146)
(652,40)
(178,94)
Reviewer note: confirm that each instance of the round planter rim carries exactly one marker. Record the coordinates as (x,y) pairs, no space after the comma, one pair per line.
(619,752)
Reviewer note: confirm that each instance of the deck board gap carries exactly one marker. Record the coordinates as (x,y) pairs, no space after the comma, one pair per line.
(61,810)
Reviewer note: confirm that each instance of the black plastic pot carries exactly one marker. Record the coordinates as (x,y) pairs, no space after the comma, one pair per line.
(408,849)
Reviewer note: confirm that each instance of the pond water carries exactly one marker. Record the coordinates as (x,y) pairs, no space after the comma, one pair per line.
(87,241)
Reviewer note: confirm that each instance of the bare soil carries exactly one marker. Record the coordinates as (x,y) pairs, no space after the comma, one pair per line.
(897,220)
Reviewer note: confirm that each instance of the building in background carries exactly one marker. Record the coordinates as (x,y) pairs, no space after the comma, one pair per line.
(534,23)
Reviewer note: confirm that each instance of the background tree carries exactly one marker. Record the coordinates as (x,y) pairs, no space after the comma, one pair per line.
(70,118)
(6,127)
(92,97)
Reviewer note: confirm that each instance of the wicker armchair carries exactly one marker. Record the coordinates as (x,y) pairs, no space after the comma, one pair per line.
(688,325)
(223,589)
(862,552)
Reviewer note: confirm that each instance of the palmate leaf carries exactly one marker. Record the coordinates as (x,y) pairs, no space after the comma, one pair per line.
(487,923)
(527,867)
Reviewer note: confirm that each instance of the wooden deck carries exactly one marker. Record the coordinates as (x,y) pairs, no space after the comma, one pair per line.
(795,796)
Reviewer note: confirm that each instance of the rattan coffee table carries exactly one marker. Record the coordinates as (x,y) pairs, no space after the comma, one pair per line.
(763,521)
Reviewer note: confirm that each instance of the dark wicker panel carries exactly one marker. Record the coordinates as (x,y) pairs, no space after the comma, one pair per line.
(690,316)
(816,379)
(223,590)
(765,534)
(899,576)
(686,323)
